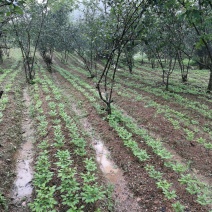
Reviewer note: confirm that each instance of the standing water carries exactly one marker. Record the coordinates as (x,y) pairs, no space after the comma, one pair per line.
(22,190)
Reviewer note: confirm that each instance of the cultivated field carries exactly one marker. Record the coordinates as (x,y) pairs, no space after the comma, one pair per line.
(152,154)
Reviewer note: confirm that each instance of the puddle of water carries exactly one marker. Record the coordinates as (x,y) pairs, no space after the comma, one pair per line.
(111,172)
(123,197)
(22,186)
(102,156)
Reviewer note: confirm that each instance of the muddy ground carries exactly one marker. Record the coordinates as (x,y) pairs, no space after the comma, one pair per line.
(134,190)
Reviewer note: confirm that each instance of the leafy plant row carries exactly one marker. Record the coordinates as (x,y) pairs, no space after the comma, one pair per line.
(194,88)
(139,153)
(71,191)
(44,199)
(136,83)
(169,113)
(183,101)
(156,145)
(4,73)
(5,99)
(176,118)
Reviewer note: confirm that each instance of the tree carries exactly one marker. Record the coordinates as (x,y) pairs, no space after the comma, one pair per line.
(87,35)
(124,19)
(7,9)
(28,31)
(128,53)
(199,16)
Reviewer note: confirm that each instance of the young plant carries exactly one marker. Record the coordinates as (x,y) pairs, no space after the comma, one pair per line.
(90,165)
(3,202)
(44,200)
(92,193)
(88,177)
(178,207)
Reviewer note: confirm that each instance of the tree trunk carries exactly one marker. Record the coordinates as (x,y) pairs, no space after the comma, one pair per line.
(109,108)
(210,82)
(184,78)
(167,82)
(153,63)
(163,77)
(1,56)
(66,57)
(1,93)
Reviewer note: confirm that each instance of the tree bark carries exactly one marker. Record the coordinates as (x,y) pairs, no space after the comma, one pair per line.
(210,82)
(184,78)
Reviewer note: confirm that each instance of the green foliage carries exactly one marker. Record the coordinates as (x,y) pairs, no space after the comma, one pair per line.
(3,202)
(178,207)
(153,173)
(92,193)
(141,154)
(10,8)
(88,177)
(90,165)
(177,167)
(44,200)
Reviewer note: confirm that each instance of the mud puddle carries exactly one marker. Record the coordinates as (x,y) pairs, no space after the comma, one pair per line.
(22,189)
(124,198)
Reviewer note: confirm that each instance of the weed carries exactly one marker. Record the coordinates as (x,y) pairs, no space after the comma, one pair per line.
(3,202)
(178,207)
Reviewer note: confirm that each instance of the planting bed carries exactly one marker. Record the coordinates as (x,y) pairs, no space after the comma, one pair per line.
(156,144)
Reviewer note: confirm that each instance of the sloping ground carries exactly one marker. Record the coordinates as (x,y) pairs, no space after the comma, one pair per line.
(155,150)
(190,153)
(11,131)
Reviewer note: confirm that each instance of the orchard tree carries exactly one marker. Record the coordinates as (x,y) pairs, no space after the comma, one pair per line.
(54,33)
(123,21)
(198,14)
(28,31)
(87,35)
(129,51)
(7,9)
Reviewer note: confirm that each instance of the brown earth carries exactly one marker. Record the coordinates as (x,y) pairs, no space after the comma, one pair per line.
(142,188)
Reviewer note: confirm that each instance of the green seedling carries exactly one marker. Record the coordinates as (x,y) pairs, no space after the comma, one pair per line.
(141,154)
(44,200)
(3,202)
(92,193)
(204,199)
(177,167)
(43,145)
(88,177)
(153,173)
(178,207)
(90,165)
(52,105)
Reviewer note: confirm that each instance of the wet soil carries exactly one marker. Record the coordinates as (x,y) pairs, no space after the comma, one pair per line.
(134,190)
(161,128)
(142,187)
(118,152)
(123,197)
(10,140)
(22,191)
